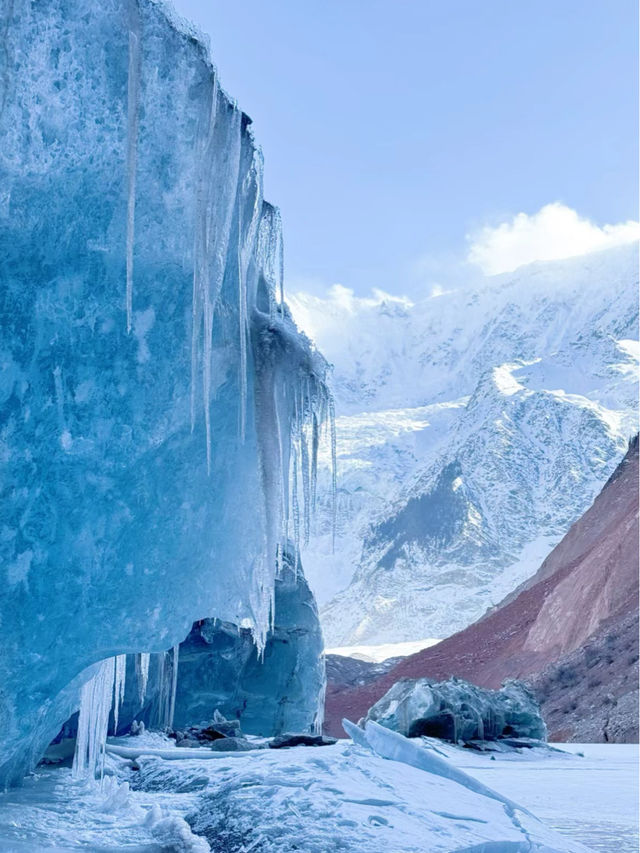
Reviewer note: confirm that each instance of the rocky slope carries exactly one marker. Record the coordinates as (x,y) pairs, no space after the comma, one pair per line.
(571,630)
(474,428)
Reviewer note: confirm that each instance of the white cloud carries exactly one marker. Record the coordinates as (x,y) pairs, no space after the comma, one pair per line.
(321,317)
(554,232)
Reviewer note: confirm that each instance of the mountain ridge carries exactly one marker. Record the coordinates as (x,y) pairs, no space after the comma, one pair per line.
(531,401)
(558,631)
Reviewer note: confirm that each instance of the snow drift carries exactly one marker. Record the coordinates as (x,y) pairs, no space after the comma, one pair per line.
(154,391)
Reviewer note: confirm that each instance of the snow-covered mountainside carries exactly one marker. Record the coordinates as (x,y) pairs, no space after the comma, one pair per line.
(473,428)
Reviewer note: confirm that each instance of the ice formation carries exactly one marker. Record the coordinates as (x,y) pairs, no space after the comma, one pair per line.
(95,704)
(456,710)
(153,387)
(220,669)
(279,690)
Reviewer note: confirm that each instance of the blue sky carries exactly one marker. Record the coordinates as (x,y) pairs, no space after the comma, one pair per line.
(392,129)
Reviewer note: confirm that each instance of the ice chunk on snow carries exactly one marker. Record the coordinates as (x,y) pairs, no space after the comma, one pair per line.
(392,745)
(174,833)
(457,710)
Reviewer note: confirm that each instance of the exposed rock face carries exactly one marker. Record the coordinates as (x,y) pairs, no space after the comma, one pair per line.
(591,695)
(571,616)
(456,710)
(353,672)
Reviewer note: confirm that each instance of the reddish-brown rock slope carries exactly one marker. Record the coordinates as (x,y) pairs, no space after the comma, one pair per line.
(585,593)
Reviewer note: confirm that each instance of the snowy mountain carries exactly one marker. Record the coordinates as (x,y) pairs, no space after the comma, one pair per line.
(570,631)
(474,428)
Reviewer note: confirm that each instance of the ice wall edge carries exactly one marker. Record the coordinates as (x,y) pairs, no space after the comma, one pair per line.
(153,386)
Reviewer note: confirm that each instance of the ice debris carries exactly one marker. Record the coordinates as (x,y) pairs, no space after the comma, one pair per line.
(456,710)
(155,389)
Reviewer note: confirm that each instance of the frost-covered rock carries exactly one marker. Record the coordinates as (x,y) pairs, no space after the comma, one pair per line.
(150,376)
(456,710)
(221,672)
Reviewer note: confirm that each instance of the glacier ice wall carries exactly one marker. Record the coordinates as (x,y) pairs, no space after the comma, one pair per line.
(280,689)
(153,386)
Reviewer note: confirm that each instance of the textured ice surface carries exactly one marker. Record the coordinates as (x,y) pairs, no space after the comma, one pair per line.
(587,791)
(220,668)
(336,799)
(457,710)
(344,797)
(151,382)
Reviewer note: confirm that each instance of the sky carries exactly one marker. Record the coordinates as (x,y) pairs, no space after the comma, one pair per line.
(401,135)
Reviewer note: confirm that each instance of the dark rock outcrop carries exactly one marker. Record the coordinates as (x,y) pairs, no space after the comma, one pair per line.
(354,672)
(288,740)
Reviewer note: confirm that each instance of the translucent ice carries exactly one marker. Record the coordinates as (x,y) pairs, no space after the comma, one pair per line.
(148,368)
(220,669)
(456,710)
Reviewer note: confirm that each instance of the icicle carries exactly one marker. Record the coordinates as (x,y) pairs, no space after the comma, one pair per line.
(242,331)
(246,244)
(306,488)
(174,686)
(133,97)
(205,153)
(334,481)
(118,688)
(160,715)
(142,675)
(286,473)
(217,230)
(315,441)
(281,262)
(295,509)
(284,488)
(93,720)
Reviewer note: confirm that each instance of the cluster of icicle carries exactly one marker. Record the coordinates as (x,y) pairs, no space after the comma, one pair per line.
(313,415)
(234,230)
(102,697)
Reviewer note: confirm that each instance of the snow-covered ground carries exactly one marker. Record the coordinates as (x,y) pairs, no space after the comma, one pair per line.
(589,792)
(340,798)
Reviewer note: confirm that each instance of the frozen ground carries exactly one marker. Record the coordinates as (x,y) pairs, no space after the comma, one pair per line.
(340,798)
(592,798)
